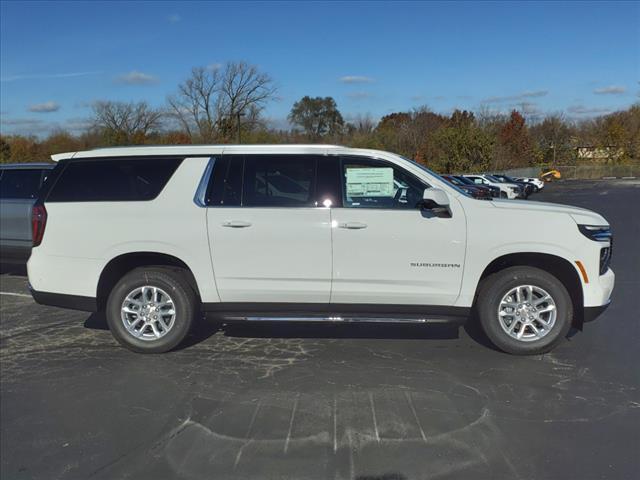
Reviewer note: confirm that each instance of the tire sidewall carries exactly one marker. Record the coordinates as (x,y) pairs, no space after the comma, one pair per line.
(497,285)
(183,300)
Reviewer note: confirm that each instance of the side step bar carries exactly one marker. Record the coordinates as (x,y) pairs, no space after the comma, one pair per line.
(335,319)
(335,313)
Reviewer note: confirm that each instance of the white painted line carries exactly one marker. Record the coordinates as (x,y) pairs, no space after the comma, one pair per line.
(375,420)
(628,178)
(415,415)
(293,414)
(12,294)
(335,424)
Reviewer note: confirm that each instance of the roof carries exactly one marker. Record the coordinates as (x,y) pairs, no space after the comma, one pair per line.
(14,166)
(194,150)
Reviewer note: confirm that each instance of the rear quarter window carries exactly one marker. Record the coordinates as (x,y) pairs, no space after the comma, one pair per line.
(120,179)
(20,183)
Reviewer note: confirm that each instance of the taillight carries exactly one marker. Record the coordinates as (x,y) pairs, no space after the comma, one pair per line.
(38,222)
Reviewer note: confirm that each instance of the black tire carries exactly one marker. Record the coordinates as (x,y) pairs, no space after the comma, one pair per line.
(503,194)
(171,281)
(496,286)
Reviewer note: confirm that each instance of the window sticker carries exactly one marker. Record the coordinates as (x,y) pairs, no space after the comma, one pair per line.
(370,182)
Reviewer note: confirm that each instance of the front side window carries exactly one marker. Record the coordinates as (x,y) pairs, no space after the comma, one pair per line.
(20,184)
(116,179)
(372,183)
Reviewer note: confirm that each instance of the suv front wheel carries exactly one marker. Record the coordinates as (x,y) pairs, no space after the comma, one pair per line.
(524,310)
(151,310)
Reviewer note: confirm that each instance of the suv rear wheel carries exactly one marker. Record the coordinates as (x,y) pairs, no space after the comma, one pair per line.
(151,310)
(524,310)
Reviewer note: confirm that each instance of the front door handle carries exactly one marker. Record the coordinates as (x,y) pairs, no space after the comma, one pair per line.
(236,224)
(353,225)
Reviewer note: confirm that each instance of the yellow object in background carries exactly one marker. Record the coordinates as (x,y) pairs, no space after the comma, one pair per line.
(550,175)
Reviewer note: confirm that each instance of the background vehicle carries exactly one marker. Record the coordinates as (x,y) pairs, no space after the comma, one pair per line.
(551,175)
(507,190)
(19,185)
(476,191)
(527,188)
(494,191)
(536,182)
(154,235)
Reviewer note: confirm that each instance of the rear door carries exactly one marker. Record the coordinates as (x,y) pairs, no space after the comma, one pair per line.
(269,229)
(18,191)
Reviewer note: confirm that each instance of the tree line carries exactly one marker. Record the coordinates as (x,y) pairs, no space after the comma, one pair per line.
(225,104)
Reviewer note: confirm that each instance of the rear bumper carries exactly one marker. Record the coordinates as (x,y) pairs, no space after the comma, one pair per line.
(72,302)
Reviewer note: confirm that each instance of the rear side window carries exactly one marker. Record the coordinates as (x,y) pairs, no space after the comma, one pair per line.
(20,184)
(279,181)
(128,179)
(225,187)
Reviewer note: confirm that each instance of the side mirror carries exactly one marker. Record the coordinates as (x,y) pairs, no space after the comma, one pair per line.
(434,198)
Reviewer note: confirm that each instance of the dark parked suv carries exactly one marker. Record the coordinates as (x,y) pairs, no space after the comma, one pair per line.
(19,185)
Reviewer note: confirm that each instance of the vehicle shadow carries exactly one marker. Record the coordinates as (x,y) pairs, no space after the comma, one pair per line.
(206,328)
(19,270)
(341,330)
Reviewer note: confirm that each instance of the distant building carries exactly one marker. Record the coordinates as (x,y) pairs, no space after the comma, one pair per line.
(600,154)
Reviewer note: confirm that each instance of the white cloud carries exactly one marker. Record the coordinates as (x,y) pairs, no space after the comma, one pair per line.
(214,66)
(583,110)
(38,76)
(136,78)
(610,90)
(520,96)
(356,79)
(45,107)
(174,18)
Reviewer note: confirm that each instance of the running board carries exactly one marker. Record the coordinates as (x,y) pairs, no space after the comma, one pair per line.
(335,313)
(355,319)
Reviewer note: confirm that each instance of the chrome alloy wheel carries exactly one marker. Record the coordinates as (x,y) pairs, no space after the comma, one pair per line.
(148,313)
(527,313)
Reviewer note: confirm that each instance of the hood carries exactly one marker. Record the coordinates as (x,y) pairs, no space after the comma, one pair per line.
(582,216)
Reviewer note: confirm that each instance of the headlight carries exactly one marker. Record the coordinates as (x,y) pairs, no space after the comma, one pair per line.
(597,233)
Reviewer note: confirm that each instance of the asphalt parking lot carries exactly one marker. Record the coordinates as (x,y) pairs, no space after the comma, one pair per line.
(390,402)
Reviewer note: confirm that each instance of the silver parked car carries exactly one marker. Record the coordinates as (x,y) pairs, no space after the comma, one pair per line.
(19,185)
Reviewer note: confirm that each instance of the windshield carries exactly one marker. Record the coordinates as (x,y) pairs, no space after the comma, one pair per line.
(434,174)
(465,180)
(494,179)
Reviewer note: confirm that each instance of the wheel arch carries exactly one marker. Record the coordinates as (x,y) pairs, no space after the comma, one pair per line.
(557,266)
(119,266)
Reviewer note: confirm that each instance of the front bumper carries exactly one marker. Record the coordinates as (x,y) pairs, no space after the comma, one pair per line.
(591,313)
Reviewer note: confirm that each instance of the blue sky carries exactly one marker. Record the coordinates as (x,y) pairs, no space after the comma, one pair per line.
(56,58)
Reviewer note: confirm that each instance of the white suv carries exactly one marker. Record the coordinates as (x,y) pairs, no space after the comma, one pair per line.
(507,190)
(155,236)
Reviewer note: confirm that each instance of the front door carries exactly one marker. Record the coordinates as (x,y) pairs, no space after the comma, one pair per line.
(386,250)
(270,237)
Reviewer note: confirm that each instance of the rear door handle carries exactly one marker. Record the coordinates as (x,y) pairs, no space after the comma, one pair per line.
(353,225)
(236,224)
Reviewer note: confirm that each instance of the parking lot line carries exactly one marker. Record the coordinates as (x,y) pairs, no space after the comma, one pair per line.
(15,294)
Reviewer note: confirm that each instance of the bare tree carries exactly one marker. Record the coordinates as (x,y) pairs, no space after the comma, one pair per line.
(244,90)
(126,122)
(209,103)
(195,106)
